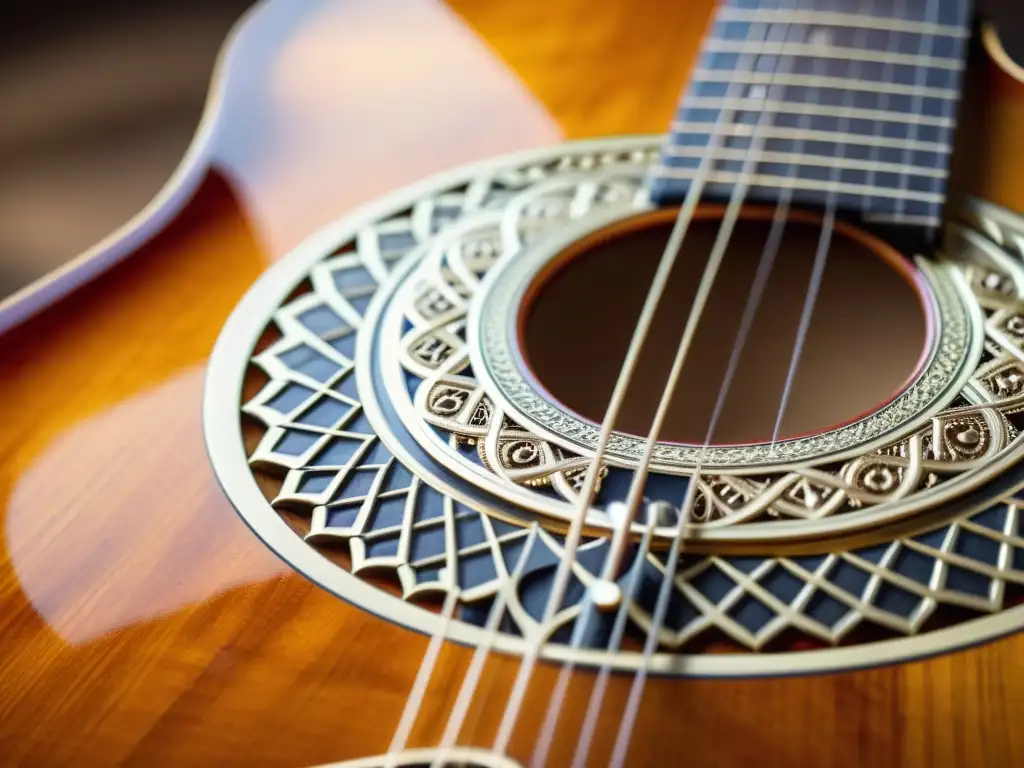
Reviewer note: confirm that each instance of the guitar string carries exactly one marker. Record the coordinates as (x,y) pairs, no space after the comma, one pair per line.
(613,562)
(658,284)
(828,228)
(636,690)
(821,256)
(452,731)
(471,678)
(414,700)
(429,661)
(400,738)
(620,749)
(398,742)
(726,232)
(754,299)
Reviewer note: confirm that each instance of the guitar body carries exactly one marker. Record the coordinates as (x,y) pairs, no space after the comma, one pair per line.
(143,622)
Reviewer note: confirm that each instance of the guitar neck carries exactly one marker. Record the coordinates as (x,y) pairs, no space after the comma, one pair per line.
(854,108)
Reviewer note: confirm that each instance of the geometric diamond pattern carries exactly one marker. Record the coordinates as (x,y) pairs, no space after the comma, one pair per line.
(392,522)
(356,492)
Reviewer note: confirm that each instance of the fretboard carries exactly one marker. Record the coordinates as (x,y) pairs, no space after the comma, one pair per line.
(848,102)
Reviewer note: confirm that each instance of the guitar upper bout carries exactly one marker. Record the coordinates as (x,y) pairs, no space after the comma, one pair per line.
(990,153)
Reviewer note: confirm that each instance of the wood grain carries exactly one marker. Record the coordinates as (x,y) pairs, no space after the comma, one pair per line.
(142,623)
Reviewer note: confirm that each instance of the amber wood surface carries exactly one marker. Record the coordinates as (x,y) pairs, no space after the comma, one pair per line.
(142,623)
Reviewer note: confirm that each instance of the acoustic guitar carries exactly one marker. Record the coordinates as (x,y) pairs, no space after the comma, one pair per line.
(539,383)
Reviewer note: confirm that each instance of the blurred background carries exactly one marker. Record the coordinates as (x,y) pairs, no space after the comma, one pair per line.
(99,100)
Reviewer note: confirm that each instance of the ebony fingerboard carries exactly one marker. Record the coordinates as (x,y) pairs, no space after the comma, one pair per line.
(823,101)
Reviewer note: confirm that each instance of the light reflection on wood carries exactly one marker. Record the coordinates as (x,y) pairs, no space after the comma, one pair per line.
(331,108)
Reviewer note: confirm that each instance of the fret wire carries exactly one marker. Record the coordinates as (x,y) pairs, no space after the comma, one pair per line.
(844,127)
(918,99)
(800,107)
(715,45)
(680,127)
(921,219)
(809,159)
(839,19)
(887,73)
(783,182)
(805,81)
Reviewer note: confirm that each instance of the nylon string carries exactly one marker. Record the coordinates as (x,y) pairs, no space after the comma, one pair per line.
(634,499)
(668,259)
(471,679)
(765,265)
(613,562)
(636,690)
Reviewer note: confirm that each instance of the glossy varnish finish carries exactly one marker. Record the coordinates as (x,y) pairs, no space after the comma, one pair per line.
(140,620)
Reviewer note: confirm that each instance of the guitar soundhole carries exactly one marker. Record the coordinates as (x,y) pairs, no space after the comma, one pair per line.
(865,341)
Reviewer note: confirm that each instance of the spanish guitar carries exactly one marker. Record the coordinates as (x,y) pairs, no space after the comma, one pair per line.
(548,383)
